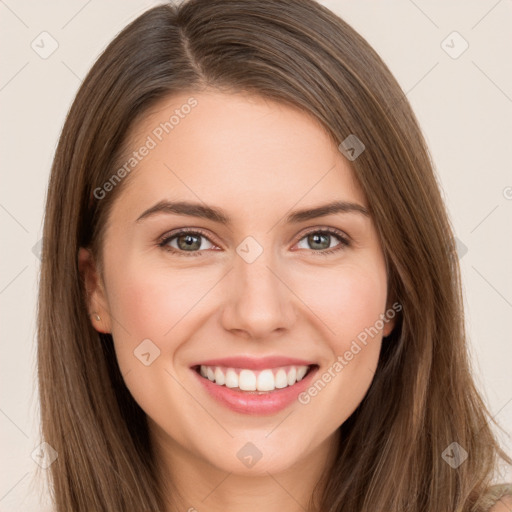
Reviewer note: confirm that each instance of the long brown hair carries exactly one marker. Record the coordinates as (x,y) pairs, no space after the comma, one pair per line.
(422,398)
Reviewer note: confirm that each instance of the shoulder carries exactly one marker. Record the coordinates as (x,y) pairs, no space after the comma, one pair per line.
(504,504)
(498,498)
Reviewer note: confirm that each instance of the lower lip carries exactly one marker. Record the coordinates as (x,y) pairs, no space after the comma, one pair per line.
(256,402)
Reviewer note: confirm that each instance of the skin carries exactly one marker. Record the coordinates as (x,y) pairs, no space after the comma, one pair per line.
(257,160)
(503,505)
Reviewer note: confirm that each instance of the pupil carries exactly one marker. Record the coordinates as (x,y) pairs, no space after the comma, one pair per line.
(191,241)
(314,239)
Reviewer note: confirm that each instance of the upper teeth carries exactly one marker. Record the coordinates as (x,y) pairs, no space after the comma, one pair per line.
(248,380)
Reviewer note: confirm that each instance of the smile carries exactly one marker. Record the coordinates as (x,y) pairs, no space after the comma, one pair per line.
(254,386)
(244,379)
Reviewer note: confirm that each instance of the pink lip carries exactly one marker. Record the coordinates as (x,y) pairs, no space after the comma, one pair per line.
(255,402)
(252,363)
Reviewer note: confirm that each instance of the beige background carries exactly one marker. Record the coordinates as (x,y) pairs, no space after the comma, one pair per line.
(464,105)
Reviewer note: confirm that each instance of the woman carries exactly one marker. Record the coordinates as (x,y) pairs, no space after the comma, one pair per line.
(250,293)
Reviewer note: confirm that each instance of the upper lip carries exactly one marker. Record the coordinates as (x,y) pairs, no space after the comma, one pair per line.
(255,363)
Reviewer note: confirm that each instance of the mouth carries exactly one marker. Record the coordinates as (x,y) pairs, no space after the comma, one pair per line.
(254,385)
(262,381)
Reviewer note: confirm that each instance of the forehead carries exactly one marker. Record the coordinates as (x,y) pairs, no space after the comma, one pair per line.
(219,146)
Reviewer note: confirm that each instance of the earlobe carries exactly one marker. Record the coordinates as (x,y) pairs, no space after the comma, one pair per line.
(389,321)
(388,327)
(94,291)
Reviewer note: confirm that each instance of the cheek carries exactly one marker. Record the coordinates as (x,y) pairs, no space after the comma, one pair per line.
(347,299)
(150,300)
(149,306)
(350,304)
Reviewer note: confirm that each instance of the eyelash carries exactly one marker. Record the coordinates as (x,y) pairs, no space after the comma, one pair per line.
(165,239)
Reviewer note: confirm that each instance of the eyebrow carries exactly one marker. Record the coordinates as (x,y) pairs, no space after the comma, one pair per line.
(218,215)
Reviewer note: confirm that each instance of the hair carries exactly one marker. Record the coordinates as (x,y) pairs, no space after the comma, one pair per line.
(423,396)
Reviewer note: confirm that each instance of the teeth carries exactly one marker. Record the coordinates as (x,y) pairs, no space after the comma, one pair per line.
(231,379)
(281,379)
(219,377)
(292,376)
(266,381)
(302,370)
(248,380)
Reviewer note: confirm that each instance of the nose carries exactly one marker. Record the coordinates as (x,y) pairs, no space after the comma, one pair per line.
(259,302)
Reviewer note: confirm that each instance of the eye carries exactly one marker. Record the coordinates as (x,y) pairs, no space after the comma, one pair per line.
(185,242)
(320,241)
(189,242)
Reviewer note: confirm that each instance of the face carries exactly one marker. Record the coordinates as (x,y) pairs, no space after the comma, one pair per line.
(245,284)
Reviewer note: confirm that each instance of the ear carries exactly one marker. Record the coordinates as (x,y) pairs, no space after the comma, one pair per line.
(389,324)
(389,321)
(96,298)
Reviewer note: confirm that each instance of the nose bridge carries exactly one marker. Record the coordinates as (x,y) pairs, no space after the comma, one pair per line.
(258,301)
